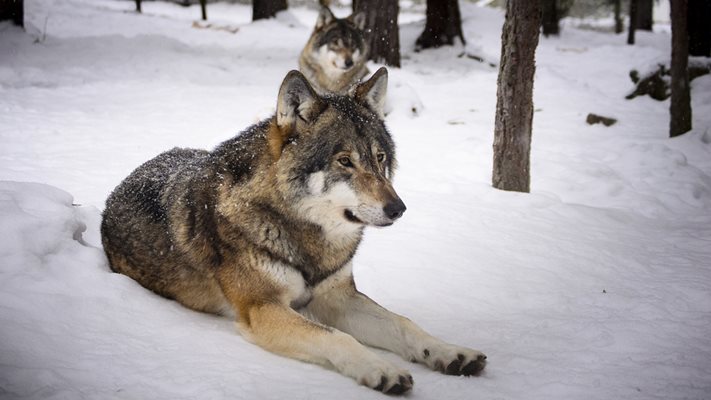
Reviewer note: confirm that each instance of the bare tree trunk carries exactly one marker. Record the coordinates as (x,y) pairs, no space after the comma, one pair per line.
(138,6)
(633,21)
(444,23)
(550,18)
(203,9)
(645,18)
(381,29)
(12,10)
(262,9)
(618,17)
(680,107)
(699,30)
(514,96)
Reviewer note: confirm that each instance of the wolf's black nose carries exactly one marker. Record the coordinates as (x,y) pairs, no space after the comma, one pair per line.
(395,209)
(349,63)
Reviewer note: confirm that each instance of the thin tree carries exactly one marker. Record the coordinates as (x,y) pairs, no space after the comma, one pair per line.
(443,25)
(550,18)
(698,25)
(645,18)
(138,6)
(262,9)
(514,96)
(381,29)
(203,9)
(12,10)
(680,105)
(633,20)
(619,26)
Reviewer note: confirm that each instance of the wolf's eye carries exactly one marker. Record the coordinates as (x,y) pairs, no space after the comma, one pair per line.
(381,157)
(345,161)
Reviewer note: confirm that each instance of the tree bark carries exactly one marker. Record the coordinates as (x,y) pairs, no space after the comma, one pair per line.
(699,31)
(381,29)
(645,18)
(633,22)
(514,96)
(262,9)
(12,10)
(619,27)
(550,18)
(138,6)
(444,24)
(680,105)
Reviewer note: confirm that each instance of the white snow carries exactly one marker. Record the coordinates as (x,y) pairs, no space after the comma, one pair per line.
(597,285)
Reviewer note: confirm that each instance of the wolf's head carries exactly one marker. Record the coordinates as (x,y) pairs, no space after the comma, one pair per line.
(338,44)
(334,157)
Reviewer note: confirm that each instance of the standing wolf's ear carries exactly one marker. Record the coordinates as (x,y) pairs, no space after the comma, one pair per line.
(325,17)
(358,20)
(372,92)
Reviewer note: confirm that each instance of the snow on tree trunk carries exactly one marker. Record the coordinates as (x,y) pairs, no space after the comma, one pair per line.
(444,23)
(381,29)
(680,107)
(12,10)
(514,96)
(262,9)
(698,25)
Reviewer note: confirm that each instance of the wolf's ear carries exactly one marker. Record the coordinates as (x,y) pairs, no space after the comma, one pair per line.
(358,20)
(372,92)
(325,17)
(297,100)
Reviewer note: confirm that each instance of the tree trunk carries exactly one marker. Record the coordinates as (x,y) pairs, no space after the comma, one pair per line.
(138,6)
(381,29)
(633,21)
(619,27)
(680,107)
(514,96)
(444,23)
(645,10)
(12,10)
(550,18)
(203,9)
(262,9)
(699,29)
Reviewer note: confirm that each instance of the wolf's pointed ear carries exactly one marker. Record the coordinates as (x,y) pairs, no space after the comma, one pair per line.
(358,20)
(325,17)
(297,100)
(372,92)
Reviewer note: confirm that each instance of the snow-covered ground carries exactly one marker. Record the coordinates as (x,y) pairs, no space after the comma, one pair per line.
(597,285)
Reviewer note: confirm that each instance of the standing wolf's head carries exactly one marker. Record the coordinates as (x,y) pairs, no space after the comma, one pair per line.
(334,157)
(339,44)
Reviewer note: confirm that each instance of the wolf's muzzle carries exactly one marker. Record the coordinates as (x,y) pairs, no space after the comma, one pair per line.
(394,209)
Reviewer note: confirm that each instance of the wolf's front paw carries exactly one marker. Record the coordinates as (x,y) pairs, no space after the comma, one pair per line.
(454,360)
(387,379)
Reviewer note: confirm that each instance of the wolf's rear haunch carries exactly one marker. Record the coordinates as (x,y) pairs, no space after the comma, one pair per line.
(264,228)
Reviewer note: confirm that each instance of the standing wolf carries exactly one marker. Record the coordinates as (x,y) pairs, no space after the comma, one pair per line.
(265,226)
(334,58)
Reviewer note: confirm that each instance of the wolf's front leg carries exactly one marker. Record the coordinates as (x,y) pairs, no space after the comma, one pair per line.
(337,303)
(282,330)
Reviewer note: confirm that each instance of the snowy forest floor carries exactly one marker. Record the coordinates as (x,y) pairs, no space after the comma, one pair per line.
(597,285)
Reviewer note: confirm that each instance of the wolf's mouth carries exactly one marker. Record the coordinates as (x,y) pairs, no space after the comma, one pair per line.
(351,217)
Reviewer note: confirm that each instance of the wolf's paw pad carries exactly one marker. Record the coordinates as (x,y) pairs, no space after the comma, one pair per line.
(389,382)
(459,361)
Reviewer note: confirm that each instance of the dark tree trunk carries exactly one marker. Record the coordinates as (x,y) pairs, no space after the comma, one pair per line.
(645,18)
(444,24)
(262,9)
(514,96)
(619,27)
(138,6)
(12,10)
(699,24)
(633,19)
(203,9)
(680,107)
(550,17)
(381,29)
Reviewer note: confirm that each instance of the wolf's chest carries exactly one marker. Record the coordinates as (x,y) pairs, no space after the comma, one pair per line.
(294,288)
